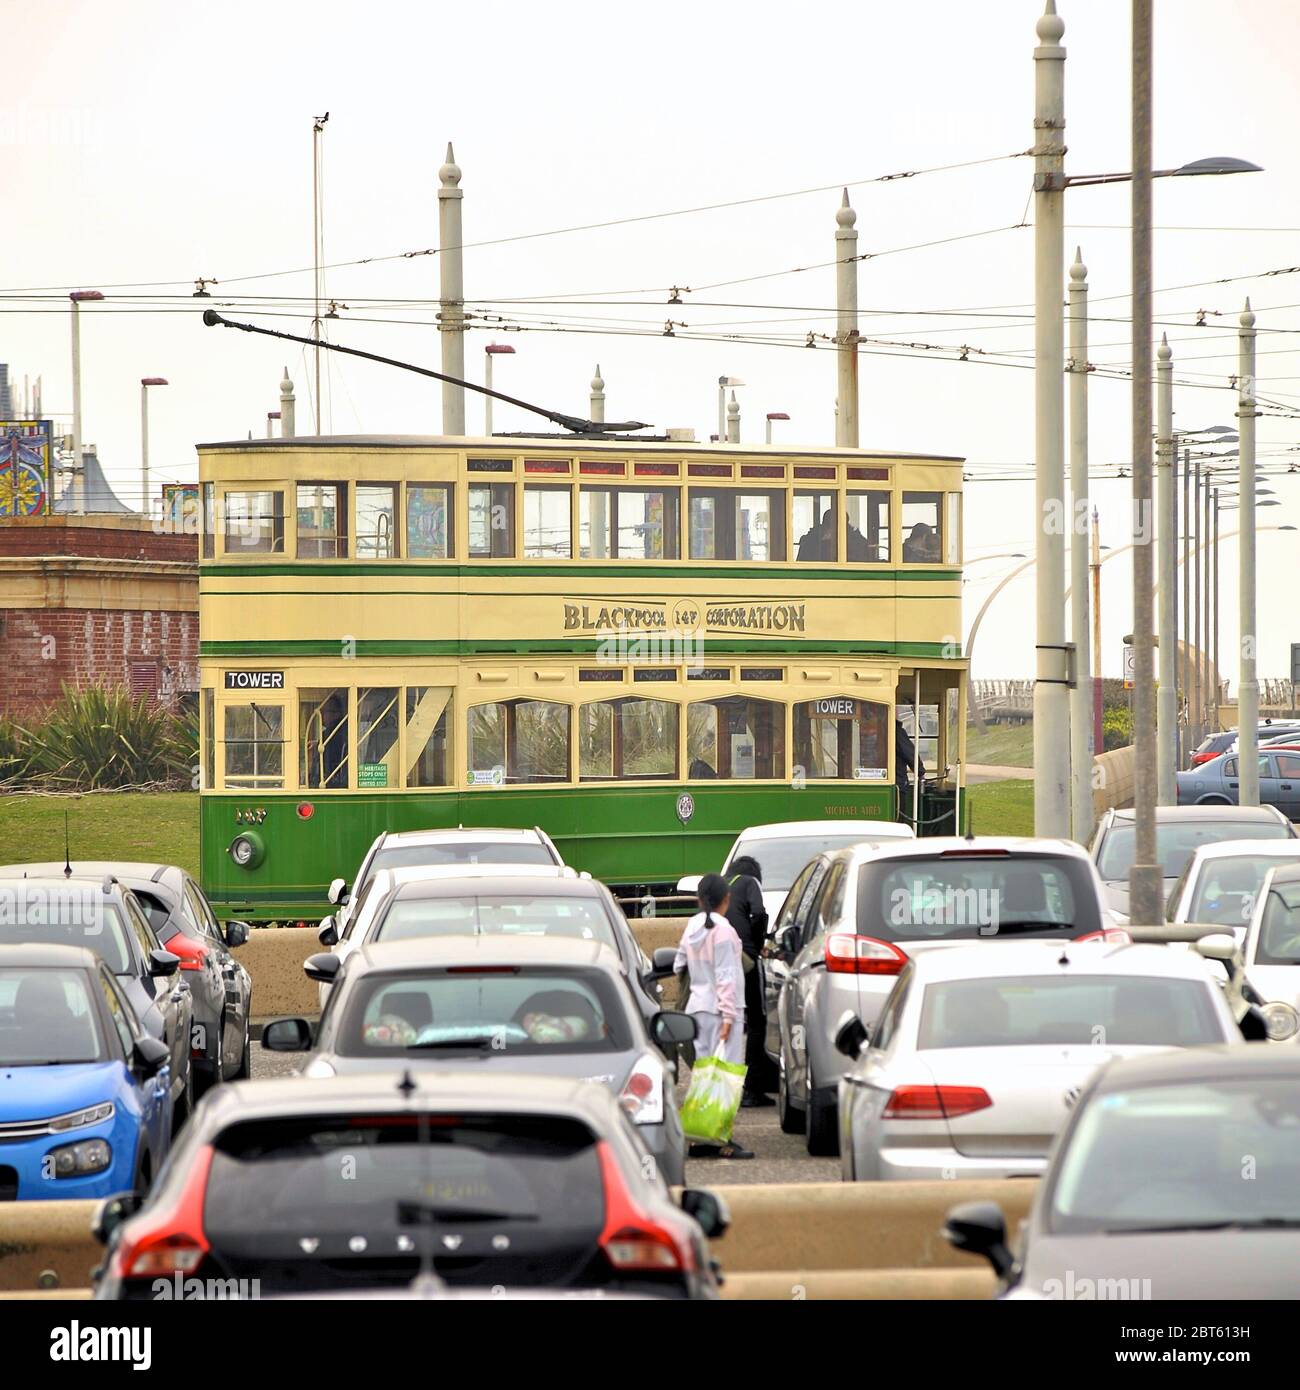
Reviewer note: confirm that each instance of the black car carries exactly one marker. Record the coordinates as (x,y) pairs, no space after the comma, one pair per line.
(186,926)
(104,916)
(368,1182)
(1147,1194)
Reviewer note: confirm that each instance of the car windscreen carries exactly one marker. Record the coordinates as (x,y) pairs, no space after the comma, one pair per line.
(71,914)
(1171,1156)
(1177,841)
(1067,1011)
(46,1016)
(969,894)
(391,1174)
(459,852)
(782,859)
(1227,889)
(1279,927)
(580,918)
(502,1012)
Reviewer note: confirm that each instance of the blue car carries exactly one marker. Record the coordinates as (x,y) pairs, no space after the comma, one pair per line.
(85,1109)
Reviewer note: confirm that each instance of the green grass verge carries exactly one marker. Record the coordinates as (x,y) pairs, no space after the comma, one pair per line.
(1002,808)
(158,827)
(1001,745)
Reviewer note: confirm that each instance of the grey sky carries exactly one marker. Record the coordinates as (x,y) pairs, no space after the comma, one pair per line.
(157,142)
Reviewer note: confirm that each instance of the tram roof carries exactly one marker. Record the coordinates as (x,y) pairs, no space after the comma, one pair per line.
(567,443)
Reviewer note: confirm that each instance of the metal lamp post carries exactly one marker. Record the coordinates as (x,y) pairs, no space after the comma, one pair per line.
(145,383)
(1247,686)
(492,350)
(77,298)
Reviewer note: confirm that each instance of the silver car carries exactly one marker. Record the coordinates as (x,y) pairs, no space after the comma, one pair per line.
(1271,956)
(854,917)
(1222,883)
(980,1052)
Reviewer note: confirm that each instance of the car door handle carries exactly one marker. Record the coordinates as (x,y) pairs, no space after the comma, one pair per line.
(1286,786)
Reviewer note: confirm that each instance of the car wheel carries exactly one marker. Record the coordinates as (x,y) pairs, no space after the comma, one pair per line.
(822,1134)
(245,1058)
(788,1115)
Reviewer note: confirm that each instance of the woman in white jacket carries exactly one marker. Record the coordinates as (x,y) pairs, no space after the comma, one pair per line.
(710,953)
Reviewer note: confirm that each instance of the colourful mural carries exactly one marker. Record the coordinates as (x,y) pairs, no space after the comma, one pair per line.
(25,454)
(181,507)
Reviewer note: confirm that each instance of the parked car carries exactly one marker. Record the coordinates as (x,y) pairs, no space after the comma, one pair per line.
(85,1104)
(1213,745)
(854,917)
(1222,881)
(1217,782)
(784,847)
(1144,1197)
(1271,955)
(979,1052)
(1180,830)
(107,918)
(545,1005)
(481,1179)
(469,845)
(183,921)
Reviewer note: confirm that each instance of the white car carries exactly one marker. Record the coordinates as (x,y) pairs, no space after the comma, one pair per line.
(1271,958)
(784,847)
(1222,884)
(475,844)
(980,1052)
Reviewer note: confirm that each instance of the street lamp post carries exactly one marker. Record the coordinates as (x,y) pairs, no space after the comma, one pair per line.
(1247,688)
(492,350)
(77,298)
(1082,747)
(1167,534)
(774,415)
(145,383)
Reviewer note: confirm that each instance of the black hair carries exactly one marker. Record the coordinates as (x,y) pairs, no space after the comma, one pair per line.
(713,892)
(746,864)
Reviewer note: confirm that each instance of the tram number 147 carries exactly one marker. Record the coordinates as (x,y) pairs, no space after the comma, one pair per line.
(250,817)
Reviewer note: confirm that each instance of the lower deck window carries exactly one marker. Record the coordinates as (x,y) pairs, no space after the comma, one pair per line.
(627,739)
(323,738)
(842,737)
(254,737)
(426,735)
(377,737)
(736,738)
(514,741)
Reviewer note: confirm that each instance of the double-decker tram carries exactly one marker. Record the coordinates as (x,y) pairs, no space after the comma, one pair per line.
(640,645)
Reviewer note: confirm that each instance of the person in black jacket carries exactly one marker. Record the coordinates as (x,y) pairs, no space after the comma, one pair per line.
(748,916)
(904,753)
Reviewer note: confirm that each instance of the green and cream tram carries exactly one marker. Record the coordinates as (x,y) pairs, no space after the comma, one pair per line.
(640,646)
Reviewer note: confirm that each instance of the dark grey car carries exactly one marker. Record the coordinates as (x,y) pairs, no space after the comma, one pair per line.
(186,926)
(534,1005)
(1144,1197)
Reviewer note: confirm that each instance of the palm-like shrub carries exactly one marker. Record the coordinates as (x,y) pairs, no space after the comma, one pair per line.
(99,737)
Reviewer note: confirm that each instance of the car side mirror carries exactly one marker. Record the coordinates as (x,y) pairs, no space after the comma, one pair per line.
(981,1229)
(689,884)
(150,1056)
(287,1035)
(112,1213)
(163,963)
(851,1035)
(669,1028)
(1219,945)
(338,891)
(787,941)
(323,966)
(661,962)
(708,1209)
(328,934)
(1253,1024)
(236,934)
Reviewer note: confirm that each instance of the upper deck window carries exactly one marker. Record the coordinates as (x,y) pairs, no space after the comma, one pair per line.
(922,528)
(627,523)
(817,526)
(952,529)
(868,533)
(209,496)
(429,521)
(491,520)
(377,521)
(737,524)
(322,521)
(255,523)
(547,523)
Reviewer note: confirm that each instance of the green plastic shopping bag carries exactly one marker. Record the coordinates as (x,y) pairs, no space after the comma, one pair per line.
(712,1100)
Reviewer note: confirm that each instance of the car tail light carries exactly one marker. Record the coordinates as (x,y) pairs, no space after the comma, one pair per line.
(1199,758)
(193,954)
(643,1092)
(1113,936)
(847,954)
(169,1239)
(631,1239)
(935,1102)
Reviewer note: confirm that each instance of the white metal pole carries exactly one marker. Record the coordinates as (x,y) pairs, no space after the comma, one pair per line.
(1081,740)
(722,410)
(487,400)
(733,420)
(78,478)
(846,306)
(597,412)
(1167,536)
(451,315)
(1247,686)
(769,432)
(144,449)
(916,756)
(1051,694)
(288,424)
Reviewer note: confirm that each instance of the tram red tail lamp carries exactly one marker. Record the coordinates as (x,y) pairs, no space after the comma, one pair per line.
(306,810)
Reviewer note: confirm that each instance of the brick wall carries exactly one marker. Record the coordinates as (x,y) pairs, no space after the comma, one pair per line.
(110,538)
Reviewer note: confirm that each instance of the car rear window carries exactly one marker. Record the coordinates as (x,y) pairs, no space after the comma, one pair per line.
(508,1013)
(390,1174)
(967,894)
(1227,889)
(781,860)
(580,918)
(459,852)
(1051,1011)
(1177,841)
(72,914)
(46,1016)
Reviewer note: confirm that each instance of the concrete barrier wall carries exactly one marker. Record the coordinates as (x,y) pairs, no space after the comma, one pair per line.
(1118,770)
(47,1245)
(868,1285)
